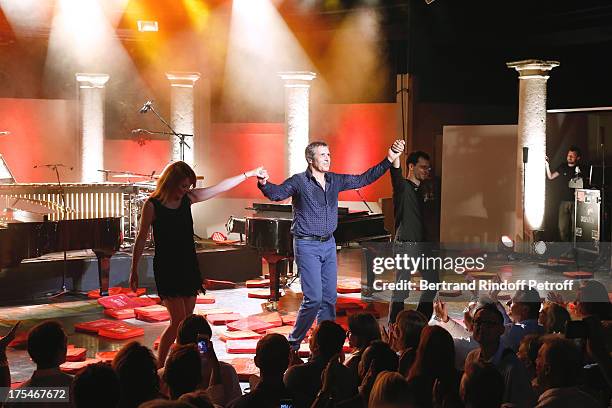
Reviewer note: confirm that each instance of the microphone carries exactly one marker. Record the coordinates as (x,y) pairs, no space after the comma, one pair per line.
(363,200)
(5,132)
(52,165)
(145,108)
(525,154)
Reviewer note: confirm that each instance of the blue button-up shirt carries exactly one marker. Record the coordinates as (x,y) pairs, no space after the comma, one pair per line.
(315,211)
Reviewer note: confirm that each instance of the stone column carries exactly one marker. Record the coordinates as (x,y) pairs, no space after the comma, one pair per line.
(297,93)
(182,113)
(91,137)
(533,75)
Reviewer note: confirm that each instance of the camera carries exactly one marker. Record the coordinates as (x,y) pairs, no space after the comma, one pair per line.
(203,344)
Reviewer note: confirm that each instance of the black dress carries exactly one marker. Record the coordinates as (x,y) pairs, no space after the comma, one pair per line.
(175,264)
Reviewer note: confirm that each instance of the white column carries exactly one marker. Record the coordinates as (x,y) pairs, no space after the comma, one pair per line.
(182,113)
(297,94)
(533,75)
(91,137)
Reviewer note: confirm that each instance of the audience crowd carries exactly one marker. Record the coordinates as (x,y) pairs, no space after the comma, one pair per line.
(526,353)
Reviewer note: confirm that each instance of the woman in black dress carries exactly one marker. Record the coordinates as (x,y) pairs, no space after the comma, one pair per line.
(175,264)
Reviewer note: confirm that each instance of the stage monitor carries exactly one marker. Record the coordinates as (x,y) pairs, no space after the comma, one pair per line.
(6,177)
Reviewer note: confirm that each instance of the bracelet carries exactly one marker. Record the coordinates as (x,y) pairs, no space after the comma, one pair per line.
(245,176)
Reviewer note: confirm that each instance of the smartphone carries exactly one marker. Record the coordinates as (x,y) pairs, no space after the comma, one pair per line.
(286,403)
(202,344)
(575,329)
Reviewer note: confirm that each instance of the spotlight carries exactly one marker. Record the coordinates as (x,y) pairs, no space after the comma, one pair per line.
(540,247)
(147,26)
(506,242)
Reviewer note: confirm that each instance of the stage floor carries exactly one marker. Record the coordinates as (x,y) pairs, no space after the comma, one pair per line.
(350,260)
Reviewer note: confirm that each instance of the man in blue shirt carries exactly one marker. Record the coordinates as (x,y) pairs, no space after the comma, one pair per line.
(315,218)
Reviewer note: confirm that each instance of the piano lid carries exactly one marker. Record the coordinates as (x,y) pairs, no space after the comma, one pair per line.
(288,208)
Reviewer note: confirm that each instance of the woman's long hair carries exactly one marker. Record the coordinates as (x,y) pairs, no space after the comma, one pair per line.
(170,179)
(435,360)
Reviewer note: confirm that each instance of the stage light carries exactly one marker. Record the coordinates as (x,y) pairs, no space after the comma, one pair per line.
(506,242)
(540,247)
(147,26)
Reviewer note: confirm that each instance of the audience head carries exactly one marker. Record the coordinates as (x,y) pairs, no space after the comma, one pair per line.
(193,326)
(408,326)
(47,344)
(183,371)
(528,349)
(558,363)
(525,305)
(363,329)
(488,324)
(198,399)
(390,390)
(384,358)
(272,355)
(327,339)
(88,382)
(554,317)
(435,357)
(136,368)
(482,386)
(592,300)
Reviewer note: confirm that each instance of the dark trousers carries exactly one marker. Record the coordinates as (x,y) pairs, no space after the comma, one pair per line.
(566,220)
(425,306)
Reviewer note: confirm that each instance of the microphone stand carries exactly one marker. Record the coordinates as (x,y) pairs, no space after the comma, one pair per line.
(364,201)
(181,136)
(64,290)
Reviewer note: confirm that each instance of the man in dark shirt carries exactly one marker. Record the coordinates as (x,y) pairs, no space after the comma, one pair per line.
(272,357)
(572,169)
(314,195)
(409,227)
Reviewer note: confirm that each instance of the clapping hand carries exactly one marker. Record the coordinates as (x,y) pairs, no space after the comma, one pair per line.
(440,310)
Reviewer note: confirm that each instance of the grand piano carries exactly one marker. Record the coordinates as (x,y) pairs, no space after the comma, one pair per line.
(269,231)
(23,240)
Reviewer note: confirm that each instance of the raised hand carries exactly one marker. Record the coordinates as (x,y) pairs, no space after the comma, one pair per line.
(4,341)
(396,150)
(440,310)
(263,176)
(258,172)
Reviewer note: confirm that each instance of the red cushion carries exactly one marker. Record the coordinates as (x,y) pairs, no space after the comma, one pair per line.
(344,303)
(72,367)
(212,310)
(259,293)
(130,293)
(579,275)
(120,314)
(213,284)
(205,299)
(241,346)
(106,356)
(258,283)
(349,286)
(250,323)
(96,325)
(122,332)
(76,354)
(95,294)
(155,313)
(271,317)
(284,330)
(239,335)
(224,318)
(245,368)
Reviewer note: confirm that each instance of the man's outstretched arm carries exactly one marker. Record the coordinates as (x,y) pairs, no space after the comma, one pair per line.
(277,192)
(352,181)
